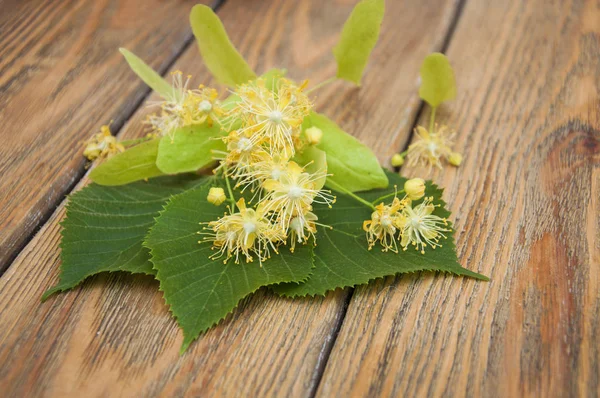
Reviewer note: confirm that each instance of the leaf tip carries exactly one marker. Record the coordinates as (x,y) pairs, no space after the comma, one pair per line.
(187,341)
(49,293)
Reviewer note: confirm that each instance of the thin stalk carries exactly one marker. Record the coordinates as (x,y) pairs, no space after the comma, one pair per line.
(432,120)
(389,195)
(352,195)
(322,84)
(229,191)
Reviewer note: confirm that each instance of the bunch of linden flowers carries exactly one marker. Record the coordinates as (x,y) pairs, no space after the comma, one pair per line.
(264,134)
(259,159)
(405,222)
(434,146)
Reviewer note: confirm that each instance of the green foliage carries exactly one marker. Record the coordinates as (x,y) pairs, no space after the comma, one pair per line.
(190,148)
(342,257)
(351,163)
(437,80)
(220,56)
(136,163)
(147,74)
(201,291)
(358,38)
(105,227)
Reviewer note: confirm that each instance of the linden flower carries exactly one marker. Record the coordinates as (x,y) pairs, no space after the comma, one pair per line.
(302,228)
(203,106)
(268,167)
(242,153)
(384,224)
(102,145)
(245,233)
(431,147)
(273,116)
(293,193)
(421,228)
(184,107)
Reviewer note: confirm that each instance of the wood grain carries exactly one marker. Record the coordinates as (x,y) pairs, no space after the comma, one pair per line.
(61,78)
(526,208)
(114,336)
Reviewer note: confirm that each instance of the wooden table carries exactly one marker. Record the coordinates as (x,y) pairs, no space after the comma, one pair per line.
(526,204)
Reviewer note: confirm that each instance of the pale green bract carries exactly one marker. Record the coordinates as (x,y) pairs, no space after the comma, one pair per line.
(105,227)
(314,161)
(219,55)
(148,75)
(352,165)
(191,148)
(342,257)
(358,38)
(136,163)
(437,80)
(201,291)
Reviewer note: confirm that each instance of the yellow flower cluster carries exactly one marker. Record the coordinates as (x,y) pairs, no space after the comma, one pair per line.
(265,134)
(185,107)
(401,221)
(431,147)
(102,145)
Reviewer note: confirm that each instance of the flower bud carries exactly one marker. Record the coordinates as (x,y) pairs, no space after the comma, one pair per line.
(313,135)
(216,196)
(415,188)
(397,160)
(455,159)
(92,151)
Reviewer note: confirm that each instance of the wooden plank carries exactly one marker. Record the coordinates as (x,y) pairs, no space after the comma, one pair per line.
(61,78)
(114,336)
(526,208)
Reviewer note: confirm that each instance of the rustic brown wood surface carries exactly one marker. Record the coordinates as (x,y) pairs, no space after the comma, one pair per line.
(61,78)
(115,336)
(525,203)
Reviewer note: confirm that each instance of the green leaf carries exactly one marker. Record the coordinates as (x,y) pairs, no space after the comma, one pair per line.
(201,291)
(437,80)
(220,56)
(341,255)
(358,38)
(105,227)
(190,149)
(136,163)
(147,74)
(351,163)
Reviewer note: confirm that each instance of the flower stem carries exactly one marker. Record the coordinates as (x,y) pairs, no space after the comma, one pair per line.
(229,191)
(338,187)
(389,195)
(322,84)
(432,119)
